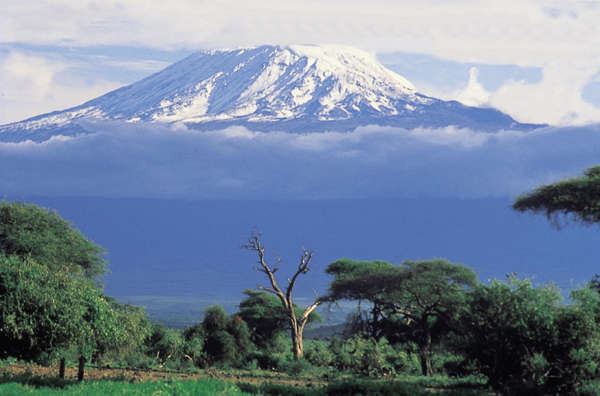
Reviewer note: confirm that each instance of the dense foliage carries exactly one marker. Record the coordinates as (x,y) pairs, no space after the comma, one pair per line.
(521,338)
(417,299)
(42,312)
(50,304)
(27,230)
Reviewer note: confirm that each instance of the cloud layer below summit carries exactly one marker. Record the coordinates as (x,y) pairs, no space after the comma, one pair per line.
(125,160)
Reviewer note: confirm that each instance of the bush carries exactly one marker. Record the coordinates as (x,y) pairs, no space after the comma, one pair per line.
(591,388)
(526,343)
(405,363)
(317,352)
(376,358)
(295,367)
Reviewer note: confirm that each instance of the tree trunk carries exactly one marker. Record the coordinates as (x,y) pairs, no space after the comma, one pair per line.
(61,368)
(297,342)
(81,368)
(425,355)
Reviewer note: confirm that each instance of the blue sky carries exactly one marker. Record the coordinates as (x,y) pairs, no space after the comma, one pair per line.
(539,61)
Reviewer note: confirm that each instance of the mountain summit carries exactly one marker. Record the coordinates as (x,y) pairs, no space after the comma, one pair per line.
(299,88)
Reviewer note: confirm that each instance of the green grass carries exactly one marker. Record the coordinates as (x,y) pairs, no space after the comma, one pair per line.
(371,388)
(102,388)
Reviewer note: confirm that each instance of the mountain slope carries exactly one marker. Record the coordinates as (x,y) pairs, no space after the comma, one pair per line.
(295,88)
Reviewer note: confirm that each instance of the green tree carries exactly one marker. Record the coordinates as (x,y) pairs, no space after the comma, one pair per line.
(49,300)
(296,322)
(422,295)
(227,339)
(46,313)
(29,230)
(575,198)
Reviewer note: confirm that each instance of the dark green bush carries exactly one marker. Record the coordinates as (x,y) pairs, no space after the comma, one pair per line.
(525,342)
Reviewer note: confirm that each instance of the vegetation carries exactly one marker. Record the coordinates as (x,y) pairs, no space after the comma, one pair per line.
(522,339)
(575,198)
(50,305)
(296,322)
(267,318)
(102,388)
(26,230)
(415,301)
(423,326)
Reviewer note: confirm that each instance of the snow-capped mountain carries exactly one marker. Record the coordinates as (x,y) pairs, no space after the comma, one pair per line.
(298,88)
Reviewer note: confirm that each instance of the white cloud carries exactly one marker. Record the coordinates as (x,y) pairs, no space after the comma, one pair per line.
(24,75)
(513,31)
(31,85)
(126,160)
(474,94)
(556,99)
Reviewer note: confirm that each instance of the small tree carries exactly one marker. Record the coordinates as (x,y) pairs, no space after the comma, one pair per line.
(227,339)
(296,322)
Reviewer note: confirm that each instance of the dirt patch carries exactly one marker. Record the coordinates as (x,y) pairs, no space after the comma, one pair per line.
(17,368)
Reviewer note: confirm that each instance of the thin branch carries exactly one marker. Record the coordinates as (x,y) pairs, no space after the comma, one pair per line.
(267,289)
(303,268)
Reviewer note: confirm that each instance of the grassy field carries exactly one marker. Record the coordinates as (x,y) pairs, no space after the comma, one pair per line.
(25,379)
(216,387)
(154,388)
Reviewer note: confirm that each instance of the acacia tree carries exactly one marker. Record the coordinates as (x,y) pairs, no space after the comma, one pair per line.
(575,198)
(423,294)
(296,322)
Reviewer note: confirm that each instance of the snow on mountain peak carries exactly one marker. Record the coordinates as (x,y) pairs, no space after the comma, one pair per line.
(265,83)
(305,87)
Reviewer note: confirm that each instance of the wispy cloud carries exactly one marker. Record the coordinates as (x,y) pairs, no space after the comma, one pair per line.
(153,161)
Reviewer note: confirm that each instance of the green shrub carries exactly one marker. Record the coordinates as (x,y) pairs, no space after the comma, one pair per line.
(591,388)
(404,362)
(295,367)
(318,353)
(525,342)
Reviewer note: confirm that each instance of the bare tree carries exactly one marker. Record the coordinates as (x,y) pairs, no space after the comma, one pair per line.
(296,323)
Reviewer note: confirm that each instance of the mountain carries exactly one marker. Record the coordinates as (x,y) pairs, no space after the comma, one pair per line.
(299,88)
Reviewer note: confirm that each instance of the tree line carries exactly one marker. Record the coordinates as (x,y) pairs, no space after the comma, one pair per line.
(423,316)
